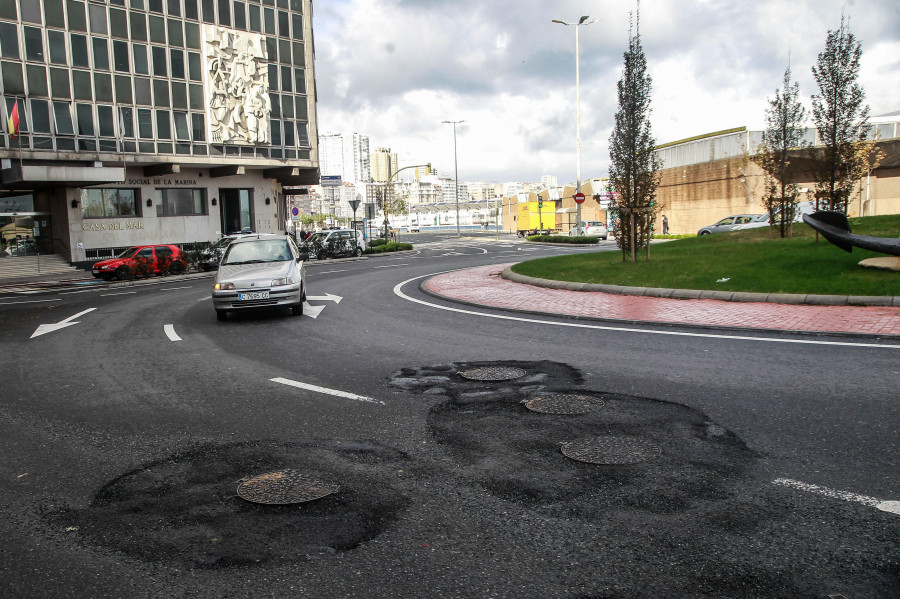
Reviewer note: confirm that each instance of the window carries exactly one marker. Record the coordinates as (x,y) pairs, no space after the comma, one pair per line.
(105,123)
(177,59)
(126,122)
(141,63)
(85,119)
(138,26)
(34,44)
(37,80)
(159,61)
(101,53)
(79,51)
(56,40)
(180,202)
(75,10)
(240,15)
(109,203)
(98,18)
(120,56)
(224,13)
(182,132)
(62,114)
(40,116)
(194,66)
(145,123)
(9,40)
(54,16)
(198,127)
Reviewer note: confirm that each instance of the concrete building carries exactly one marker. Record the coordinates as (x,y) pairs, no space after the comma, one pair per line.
(383,164)
(143,121)
(709,177)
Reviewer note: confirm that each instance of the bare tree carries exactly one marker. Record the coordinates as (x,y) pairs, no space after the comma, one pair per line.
(781,139)
(842,120)
(634,168)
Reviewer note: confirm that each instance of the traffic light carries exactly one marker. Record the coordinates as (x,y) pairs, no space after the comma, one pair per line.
(540,203)
(428,168)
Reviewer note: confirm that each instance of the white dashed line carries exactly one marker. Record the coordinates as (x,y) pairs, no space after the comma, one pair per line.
(892,507)
(325,390)
(170,333)
(121,293)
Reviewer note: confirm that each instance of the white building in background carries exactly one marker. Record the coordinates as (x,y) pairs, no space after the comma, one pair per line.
(549,181)
(346,156)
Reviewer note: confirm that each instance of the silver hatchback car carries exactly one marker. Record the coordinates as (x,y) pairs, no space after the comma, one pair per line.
(260,271)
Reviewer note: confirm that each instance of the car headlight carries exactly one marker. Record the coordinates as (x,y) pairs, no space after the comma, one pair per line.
(223,286)
(280,282)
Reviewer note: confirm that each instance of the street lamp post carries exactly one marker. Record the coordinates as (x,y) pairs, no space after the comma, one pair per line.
(456,171)
(582,21)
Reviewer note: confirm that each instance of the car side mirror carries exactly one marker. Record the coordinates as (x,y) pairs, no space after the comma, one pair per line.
(303,257)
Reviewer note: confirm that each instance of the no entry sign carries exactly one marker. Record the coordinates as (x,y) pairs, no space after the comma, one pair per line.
(579,198)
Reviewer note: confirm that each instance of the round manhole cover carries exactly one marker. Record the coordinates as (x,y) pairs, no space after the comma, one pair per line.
(492,373)
(611,450)
(562,403)
(284,487)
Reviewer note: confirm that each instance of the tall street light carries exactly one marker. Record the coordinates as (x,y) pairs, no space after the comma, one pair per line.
(582,21)
(456,169)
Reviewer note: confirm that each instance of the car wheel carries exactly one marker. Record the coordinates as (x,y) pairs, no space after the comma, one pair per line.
(221,315)
(703,233)
(123,273)
(603,238)
(358,252)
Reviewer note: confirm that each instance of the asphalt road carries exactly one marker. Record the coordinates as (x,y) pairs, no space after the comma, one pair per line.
(727,467)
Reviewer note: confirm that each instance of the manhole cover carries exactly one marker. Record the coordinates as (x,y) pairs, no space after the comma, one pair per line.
(284,487)
(492,373)
(613,450)
(562,403)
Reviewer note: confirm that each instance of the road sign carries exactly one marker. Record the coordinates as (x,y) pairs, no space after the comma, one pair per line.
(331,181)
(579,198)
(295,211)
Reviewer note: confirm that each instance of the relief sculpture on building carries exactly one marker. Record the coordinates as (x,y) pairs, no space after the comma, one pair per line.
(237,87)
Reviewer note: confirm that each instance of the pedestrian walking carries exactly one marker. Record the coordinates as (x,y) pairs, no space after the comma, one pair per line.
(665,225)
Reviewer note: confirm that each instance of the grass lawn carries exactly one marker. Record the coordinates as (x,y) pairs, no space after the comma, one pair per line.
(751,260)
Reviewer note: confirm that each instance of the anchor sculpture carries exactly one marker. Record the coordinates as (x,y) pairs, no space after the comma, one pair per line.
(835,227)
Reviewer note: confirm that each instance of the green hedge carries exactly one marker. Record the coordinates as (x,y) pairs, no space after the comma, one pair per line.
(563,239)
(376,242)
(390,246)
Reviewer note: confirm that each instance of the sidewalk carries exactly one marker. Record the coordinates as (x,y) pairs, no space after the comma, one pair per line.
(484,286)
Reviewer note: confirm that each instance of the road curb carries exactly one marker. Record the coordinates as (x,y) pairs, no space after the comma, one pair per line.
(728,296)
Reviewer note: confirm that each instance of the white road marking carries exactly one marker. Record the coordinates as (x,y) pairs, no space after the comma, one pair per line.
(577,325)
(892,507)
(49,328)
(29,302)
(312,311)
(328,297)
(391,265)
(328,272)
(325,390)
(174,288)
(170,333)
(121,293)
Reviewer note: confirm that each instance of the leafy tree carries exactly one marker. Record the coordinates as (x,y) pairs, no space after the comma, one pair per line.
(842,120)
(392,201)
(783,134)
(634,168)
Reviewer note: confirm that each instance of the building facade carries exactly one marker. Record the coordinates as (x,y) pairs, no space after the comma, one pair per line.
(153,121)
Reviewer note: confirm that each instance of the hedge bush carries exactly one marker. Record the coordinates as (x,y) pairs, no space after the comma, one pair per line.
(376,242)
(387,247)
(563,239)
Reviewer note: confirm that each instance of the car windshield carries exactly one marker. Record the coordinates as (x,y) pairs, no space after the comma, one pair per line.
(316,237)
(257,251)
(130,252)
(224,242)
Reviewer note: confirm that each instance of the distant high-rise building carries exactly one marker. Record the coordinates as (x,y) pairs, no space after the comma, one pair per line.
(384,164)
(549,180)
(344,156)
(331,154)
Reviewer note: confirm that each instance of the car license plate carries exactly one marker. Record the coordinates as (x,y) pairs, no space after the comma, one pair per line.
(256,295)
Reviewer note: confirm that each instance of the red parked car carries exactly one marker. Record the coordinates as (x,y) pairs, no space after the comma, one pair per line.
(141,260)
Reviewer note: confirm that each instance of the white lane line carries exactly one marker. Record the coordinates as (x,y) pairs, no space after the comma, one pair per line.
(577,325)
(391,265)
(174,288)
(326,390)
(170,333)
(892,507)
(29,302)
(328,272)
(120,293)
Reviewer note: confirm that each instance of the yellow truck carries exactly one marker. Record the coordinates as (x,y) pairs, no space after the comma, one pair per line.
(534,219)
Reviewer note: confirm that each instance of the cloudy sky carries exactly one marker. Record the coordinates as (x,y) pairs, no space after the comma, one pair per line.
(395,69)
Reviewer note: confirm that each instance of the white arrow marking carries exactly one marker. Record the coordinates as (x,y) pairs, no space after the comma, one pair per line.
(49,328)
(170,333)
(318,389)
(328,297)
(312,311)
(892,507)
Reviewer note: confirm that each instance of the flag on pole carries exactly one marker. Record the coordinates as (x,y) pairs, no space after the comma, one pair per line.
(14,120)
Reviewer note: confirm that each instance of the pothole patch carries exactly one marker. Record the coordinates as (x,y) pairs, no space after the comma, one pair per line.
(493,373)
(563,403)
(611,450)
(187,509)
(284,487)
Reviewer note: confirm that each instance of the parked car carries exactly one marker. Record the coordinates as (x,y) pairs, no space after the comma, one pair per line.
(728,223)
(763,219)
(211,256)
(414,228)
(334,243)
(590,228)
(260,271)
(140,260)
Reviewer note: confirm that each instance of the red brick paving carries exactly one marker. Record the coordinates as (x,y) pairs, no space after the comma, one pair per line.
(483,285)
